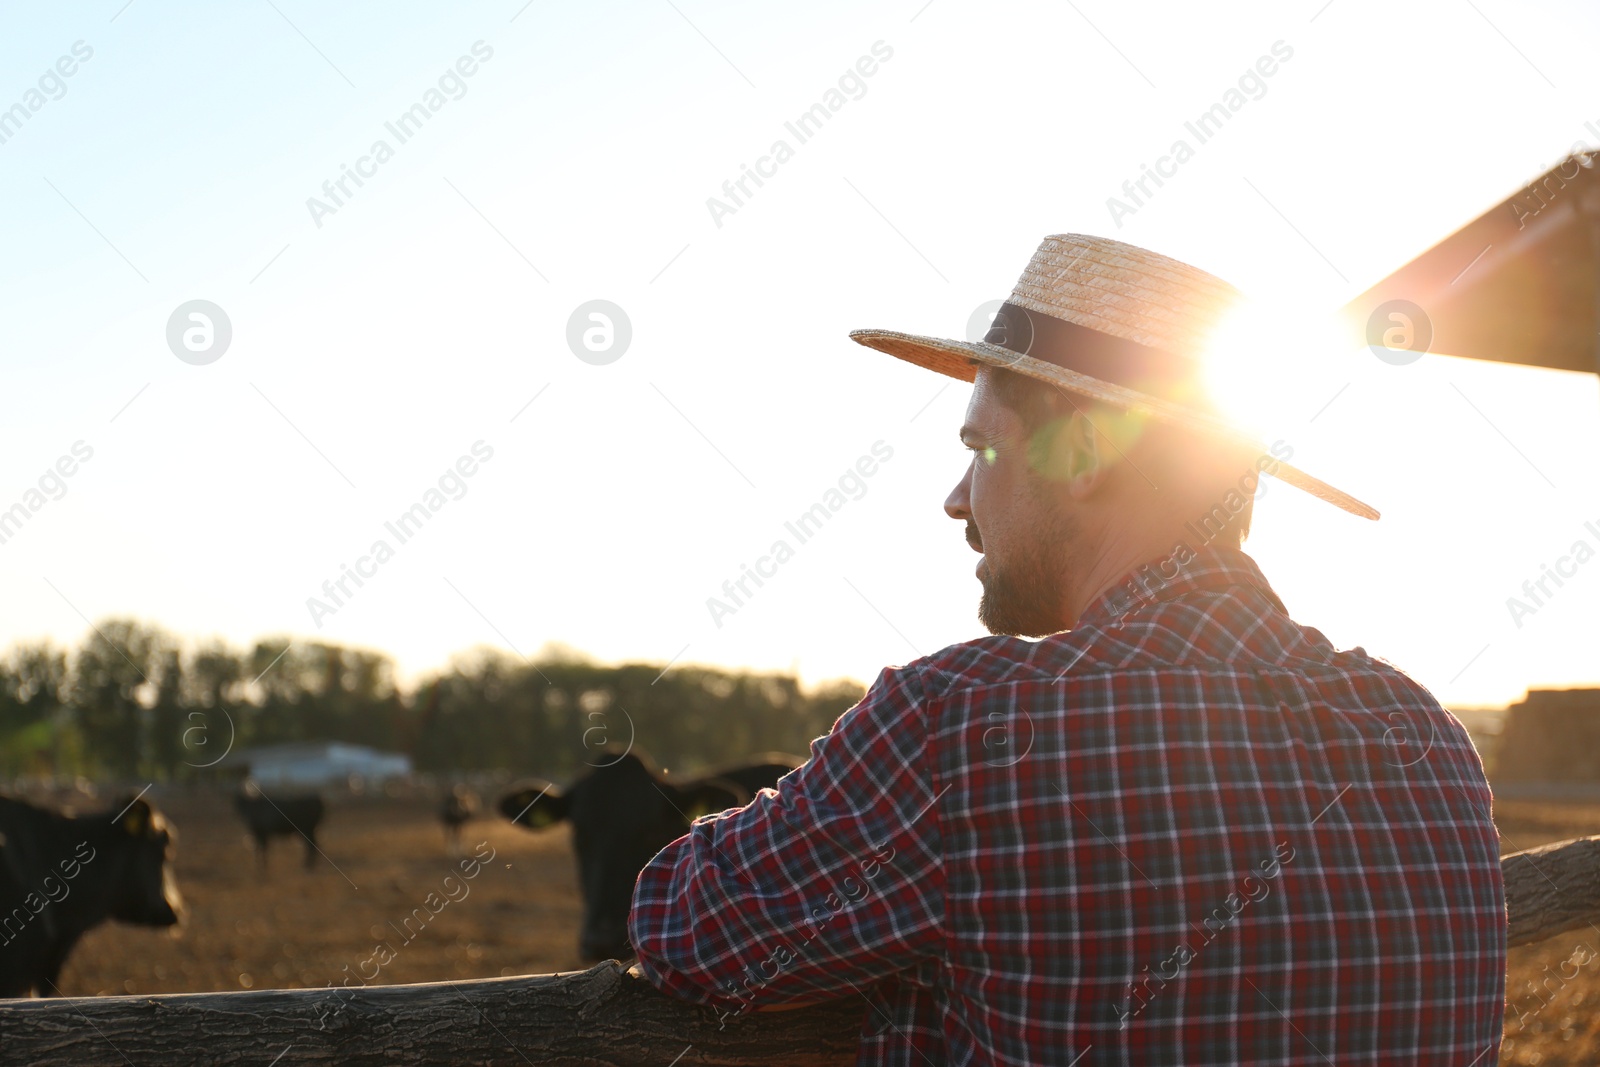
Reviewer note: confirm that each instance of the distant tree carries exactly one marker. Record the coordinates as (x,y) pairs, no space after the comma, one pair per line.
(215,677)
(130,702)
(278,673)
(165,751)
(111,686)
(477,714)
(213,707)
(33,683)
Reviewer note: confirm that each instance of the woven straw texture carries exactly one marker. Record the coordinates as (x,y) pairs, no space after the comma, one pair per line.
(1125,291)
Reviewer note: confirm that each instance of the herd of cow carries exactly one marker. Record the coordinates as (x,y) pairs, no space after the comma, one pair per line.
(62,874)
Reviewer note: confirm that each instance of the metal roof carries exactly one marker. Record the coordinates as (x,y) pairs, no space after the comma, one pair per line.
(1518,284)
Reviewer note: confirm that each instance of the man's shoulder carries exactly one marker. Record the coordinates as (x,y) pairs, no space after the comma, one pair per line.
(995,660)
(1092,650)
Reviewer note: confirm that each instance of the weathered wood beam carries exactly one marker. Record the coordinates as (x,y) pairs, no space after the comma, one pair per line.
(602,1017)
(1552,889)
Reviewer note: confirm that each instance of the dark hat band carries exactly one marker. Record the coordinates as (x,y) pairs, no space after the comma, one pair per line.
(1095,353)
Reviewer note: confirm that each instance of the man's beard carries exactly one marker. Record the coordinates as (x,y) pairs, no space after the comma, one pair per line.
(1022,601)
(1027,597)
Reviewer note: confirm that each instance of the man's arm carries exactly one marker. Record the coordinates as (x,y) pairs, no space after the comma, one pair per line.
(826,885)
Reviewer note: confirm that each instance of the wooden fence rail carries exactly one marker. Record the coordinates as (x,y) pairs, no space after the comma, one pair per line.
(602,1016)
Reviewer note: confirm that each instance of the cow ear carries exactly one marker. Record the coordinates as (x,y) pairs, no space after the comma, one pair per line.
(536,806)
(710,795)
(136,819)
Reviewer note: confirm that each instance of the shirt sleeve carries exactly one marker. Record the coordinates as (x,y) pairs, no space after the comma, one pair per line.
(825,885)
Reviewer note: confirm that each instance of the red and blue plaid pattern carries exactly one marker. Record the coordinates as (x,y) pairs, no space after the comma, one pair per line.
(1187,831)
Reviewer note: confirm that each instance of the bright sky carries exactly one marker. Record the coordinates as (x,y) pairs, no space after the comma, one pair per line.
(430,311)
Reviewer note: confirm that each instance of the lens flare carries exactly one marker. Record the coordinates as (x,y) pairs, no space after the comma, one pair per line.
(1268,359)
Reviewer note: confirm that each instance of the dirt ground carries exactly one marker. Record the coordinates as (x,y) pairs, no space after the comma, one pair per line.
(298,928)
(520,913)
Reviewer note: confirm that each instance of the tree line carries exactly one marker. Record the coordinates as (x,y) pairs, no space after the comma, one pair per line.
(133,701)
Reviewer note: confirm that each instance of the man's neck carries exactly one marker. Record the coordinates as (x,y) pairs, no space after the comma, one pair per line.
(1118,553)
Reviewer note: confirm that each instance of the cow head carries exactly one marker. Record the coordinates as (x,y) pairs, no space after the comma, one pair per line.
(146,893)
(622,814)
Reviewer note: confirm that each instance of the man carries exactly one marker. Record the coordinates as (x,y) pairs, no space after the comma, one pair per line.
(1180,828)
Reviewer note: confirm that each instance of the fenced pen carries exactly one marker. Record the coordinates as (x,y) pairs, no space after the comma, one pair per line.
(600,1016)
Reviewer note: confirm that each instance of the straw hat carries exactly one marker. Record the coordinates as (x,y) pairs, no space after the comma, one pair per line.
(1114,323)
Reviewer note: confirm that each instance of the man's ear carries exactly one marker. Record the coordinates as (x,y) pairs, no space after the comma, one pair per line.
(710,795)
(1086,445)
(535,806)
(1066,448)
(1089,455)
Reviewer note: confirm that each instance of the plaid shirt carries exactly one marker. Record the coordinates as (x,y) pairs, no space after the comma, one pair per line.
(1187,831)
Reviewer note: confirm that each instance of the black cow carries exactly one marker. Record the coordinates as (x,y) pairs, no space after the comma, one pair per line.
(622,814)
(460,806)
(279,816)
(60,876)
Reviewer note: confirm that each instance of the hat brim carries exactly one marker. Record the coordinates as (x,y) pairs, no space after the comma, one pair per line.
(960,360)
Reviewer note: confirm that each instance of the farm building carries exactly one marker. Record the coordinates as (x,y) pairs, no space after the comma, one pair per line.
(313,764)
(1550,737)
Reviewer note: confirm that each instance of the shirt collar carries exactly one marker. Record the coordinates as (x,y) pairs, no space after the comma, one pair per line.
(1181,571)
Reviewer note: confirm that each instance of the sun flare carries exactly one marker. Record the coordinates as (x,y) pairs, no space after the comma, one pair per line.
(1269,358)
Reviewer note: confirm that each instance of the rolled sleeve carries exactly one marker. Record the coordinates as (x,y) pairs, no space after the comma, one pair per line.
(828,883)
